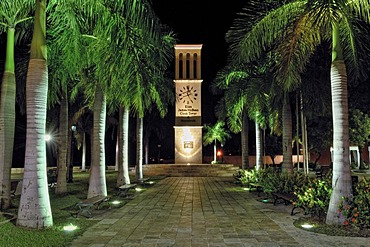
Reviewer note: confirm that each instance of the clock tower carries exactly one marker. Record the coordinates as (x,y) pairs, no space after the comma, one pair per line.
(188,124)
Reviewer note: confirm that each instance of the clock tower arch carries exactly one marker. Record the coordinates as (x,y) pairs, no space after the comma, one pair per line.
(188,124)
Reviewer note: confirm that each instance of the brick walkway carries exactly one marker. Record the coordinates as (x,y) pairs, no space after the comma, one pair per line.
(202,211)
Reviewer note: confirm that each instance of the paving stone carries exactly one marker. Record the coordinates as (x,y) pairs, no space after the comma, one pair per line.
(107,221)
(198,212)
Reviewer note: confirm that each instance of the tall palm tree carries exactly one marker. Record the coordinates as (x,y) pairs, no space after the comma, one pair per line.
(137,50)
(151,87)
(246,95)
(71,27)
(83,119)
(232,80)
(34,206)
(294,30)
(261,109)
(215,133)
(12,13)
(141,52)
(66,58)
(90,20)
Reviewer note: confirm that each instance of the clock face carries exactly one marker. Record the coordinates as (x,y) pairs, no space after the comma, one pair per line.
(188,94)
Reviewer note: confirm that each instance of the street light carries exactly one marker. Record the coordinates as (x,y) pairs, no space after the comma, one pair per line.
(70,169)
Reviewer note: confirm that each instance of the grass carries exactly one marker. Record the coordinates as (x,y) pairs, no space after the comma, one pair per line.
(61,206)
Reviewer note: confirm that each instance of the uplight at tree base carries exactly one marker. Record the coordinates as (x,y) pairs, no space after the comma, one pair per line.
(70,228)
(307,226)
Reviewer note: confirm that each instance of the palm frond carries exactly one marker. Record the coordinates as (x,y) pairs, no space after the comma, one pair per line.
(256,32)
(294,52)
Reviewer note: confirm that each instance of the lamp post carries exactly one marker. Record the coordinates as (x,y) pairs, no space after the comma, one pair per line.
(70,169)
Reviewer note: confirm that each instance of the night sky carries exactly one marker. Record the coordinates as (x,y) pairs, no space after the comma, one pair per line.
(202,22)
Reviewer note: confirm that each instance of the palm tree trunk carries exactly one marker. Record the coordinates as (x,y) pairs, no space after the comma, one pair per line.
(7,121)
(305,142)
(123,175)
(61,186)
(244,140)
(215,152)
(34,207)
(287,136)
(139,148)
(259,162)
(83,165)
(146,149)
(297,131)
(97,181)
(304,136)
(341,183)
(117,153)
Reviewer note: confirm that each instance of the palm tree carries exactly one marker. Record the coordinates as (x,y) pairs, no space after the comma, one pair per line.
(294,30)
(12,13)
(140,54)
(90,20)
(151,87)
(83,119)
(261,109)
(66,59)
(237,121)
(34,206)
(246,94)
(234,104)
(213,134)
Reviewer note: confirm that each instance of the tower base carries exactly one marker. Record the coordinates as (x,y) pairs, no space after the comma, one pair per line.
(188,144)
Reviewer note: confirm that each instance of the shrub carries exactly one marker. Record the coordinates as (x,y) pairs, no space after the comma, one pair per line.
(280,181)
(357,208)
(315,196)
(245,177)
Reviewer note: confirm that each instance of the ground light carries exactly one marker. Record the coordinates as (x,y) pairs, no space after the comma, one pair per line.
(245,188)
(70,228)
(307,226)
(151,182)
(116,202)
(138,189)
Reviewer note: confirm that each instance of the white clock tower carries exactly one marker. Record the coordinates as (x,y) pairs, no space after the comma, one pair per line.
(188,124)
